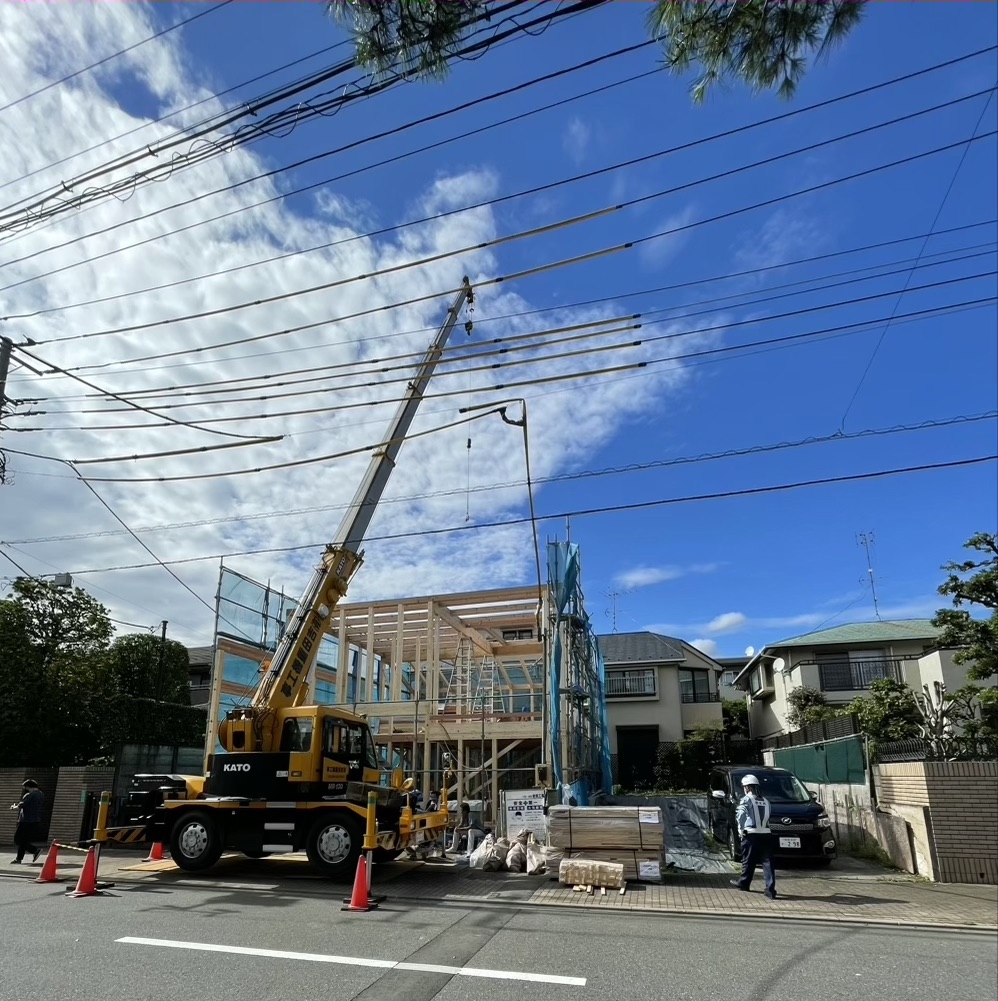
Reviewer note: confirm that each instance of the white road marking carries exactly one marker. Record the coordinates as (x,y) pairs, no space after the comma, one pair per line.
(384,964)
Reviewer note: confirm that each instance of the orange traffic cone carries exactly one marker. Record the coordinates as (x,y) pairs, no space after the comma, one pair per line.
(359,899)
(156,855)
(86,886)
(48,873)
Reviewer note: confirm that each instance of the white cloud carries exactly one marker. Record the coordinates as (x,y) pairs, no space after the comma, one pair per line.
(643,576)
(657,253)
(227,515)
(729,622)
(778,626)
(787,234)
(706,646)
(576,139)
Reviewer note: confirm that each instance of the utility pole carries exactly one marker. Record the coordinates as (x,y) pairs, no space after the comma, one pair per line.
(162,659)
(5,348)
(866,541)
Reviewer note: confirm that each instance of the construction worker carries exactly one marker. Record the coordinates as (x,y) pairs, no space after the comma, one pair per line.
(29,821)
(752,818)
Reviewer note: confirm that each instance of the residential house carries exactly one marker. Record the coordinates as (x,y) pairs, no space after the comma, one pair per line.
(730,669)
(200,660)
(658,689)
(842,662)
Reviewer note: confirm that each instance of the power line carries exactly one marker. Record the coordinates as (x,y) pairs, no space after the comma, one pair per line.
(887,325)
(707,353)
(692,144)
(173,114)
(581,512)
(120,369)
(500,346)
(774,345)
(517,275)
(304,111)
(542,359)
(635,467)
(114,55)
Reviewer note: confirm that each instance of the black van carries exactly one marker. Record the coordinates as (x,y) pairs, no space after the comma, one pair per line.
(800,827)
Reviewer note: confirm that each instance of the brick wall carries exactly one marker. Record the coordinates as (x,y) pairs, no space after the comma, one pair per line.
(64,789)
(11,792)
(958,804)
(68,806)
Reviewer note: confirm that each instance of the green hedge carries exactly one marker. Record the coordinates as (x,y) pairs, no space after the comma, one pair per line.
(131,720)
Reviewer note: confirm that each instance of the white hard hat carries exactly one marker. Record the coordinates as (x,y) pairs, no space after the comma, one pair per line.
(750,780)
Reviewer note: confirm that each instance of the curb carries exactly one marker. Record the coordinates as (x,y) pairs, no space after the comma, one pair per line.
(867,922)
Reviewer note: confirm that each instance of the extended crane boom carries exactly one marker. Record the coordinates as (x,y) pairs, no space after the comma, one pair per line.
(284,684)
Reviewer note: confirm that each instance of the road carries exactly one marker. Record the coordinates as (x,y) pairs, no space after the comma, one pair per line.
(157,943)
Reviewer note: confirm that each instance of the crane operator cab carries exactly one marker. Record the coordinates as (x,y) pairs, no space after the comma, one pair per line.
(320,750)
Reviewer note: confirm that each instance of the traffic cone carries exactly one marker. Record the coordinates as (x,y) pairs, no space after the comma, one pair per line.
(86,885)
(48,873)
(359,899)
(156,855)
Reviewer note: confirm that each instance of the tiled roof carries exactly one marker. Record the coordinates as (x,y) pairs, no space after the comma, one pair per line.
(864,632)
(200,655)
(640,648)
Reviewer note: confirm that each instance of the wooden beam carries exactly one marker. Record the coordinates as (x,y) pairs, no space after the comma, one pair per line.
(476,638)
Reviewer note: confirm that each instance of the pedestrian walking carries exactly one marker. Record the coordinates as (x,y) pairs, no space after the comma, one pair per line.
(29,822)
(752,818)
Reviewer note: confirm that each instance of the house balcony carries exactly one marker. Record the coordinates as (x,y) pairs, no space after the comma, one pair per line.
(700,697)
(632,684)
(857,675)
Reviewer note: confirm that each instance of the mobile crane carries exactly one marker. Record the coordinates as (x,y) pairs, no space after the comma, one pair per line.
(293,775)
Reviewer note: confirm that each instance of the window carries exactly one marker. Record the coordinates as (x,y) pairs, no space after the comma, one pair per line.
(694,686)
(348,742)
(635,683)
(296,735)
(728,678)
(509,635)
(854,670)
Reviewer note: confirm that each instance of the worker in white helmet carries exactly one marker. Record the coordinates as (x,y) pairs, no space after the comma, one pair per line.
(752,817)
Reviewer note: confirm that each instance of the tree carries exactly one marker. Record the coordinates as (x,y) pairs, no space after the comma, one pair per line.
(735,715)
(976,639)
(807,706)
(889,712)
(134,661)
(763,43)
(53,682)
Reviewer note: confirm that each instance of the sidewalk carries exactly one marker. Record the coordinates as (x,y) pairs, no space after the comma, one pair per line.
(855,894)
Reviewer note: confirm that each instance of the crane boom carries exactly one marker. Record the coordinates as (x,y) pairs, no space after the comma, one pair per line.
(284,685)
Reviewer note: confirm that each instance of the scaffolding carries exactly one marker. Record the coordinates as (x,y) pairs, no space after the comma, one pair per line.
(455,683)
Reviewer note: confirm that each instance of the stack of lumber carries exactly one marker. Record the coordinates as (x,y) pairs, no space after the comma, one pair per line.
(632,837)
(639,867)
(588,873)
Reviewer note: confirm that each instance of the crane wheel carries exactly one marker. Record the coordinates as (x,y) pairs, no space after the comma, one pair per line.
(195,841)
(334,844)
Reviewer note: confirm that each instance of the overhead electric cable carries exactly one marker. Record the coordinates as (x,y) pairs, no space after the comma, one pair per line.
(115,55)
(628,245)
(578,513)
(783,116)
(838,436)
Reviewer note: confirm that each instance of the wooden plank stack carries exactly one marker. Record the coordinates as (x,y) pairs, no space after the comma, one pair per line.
(588,873)
(629,837)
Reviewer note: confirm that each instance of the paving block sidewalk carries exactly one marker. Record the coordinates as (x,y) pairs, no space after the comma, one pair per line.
(875,897)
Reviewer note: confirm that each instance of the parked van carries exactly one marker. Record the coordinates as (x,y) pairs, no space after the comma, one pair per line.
(800,827)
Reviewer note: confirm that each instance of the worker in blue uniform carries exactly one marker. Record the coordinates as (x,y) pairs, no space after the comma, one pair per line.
(752,818)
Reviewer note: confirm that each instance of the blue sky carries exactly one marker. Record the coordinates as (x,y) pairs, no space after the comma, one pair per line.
(727,573)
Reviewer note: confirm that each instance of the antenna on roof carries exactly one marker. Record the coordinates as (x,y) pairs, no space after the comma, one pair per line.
(866,540)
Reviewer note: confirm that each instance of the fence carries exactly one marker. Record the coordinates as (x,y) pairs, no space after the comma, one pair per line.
(838,762)
(816,733)
(683,764)
(952,749)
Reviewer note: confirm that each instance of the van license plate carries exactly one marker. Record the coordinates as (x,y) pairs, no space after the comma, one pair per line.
(790,842)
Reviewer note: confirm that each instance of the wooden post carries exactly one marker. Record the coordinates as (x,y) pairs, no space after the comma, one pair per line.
(493,793)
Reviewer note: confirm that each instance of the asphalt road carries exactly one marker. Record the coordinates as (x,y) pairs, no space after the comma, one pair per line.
(292,945)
